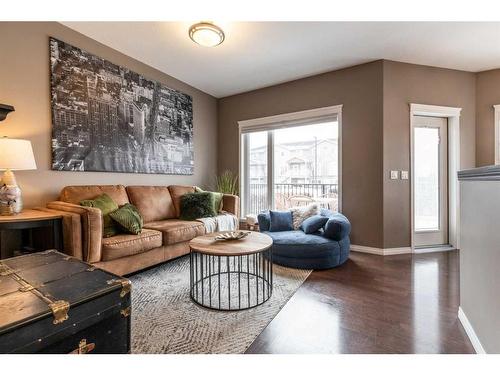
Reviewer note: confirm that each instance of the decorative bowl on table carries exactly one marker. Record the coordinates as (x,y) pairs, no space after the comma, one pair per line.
(234,235)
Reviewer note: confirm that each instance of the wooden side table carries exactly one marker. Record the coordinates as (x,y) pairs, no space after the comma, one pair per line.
(30,219)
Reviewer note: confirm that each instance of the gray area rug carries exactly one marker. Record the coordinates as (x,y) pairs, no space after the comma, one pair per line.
(165,320)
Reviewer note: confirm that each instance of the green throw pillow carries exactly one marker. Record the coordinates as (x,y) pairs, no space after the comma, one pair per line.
(217,198)
(129,218)
(106,205)
(197,205)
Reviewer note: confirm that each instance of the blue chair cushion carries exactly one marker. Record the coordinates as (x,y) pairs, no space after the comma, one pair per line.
(337,227)
(280,221)
(313,224)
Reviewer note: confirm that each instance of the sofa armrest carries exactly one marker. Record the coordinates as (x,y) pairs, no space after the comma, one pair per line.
(337,227)
(71,231)
(91,228)
(231,204)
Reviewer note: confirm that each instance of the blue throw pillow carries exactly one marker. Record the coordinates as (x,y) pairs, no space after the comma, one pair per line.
(280,221)
(264,220)
(313,224)
(337,227)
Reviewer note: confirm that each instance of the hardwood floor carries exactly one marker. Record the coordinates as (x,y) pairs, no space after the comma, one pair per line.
(373,304)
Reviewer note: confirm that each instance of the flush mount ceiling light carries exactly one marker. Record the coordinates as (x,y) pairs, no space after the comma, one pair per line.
(206,34)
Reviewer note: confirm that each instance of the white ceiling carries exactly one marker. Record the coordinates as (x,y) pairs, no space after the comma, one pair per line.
(259,54)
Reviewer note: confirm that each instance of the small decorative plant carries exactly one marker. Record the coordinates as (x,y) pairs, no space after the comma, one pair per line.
(227,183)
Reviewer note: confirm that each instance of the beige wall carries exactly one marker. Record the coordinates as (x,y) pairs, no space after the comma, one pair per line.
(24,83)
(404,84)
(359,89)
(487,95)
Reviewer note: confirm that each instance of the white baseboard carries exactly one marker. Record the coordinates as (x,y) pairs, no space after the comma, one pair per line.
(379,251)
(470,332)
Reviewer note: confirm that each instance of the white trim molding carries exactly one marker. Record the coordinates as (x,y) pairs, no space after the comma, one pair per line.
(434,110)
(379,251)
(453,116)
(289,119)
(497,133)
(469,330)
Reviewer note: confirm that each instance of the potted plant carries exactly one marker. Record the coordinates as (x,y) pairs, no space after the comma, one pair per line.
(227,183)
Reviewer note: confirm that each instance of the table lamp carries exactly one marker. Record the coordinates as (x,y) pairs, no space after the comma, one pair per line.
(15,155)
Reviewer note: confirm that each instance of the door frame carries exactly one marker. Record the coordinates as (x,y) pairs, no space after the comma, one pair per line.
(452,114)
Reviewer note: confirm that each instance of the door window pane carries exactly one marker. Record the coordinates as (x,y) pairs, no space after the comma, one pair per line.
(426,179)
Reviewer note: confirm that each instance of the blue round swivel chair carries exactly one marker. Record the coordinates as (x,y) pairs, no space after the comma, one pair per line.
(296,249)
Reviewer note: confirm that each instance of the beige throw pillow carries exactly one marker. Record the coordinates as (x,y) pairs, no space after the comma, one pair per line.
(299,214)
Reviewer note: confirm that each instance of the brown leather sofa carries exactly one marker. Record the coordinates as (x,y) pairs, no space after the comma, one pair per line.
(164,236)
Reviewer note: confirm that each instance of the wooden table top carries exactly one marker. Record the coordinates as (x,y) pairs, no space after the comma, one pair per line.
(255,242)
(29,215)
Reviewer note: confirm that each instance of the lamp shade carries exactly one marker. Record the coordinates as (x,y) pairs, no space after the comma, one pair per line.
(16,154)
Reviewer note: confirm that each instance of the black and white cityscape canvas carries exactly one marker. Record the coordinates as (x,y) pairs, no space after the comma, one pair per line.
(108,118)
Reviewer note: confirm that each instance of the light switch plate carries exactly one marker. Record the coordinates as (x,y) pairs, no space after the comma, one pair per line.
(404,175)
(394,175)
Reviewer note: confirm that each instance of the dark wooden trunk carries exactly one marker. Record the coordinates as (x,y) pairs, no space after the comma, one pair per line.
(34,292)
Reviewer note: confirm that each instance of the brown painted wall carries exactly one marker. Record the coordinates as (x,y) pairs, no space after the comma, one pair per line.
(359,89)
(487,95)
(405,84)
(24,83)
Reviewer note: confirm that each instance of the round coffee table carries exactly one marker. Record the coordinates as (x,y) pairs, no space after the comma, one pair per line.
(231,275)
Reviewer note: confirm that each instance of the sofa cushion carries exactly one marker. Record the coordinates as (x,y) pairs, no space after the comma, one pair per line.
(128,218)
(107,205)
(175,231)
(299,214)
(280,221)
(218,198)
(153,202)
(337,227)
(264,220)
(176,192)
(76,194)
(313,224)
(197,205)
(129,244)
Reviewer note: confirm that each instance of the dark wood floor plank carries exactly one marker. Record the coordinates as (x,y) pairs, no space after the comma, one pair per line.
(373,304)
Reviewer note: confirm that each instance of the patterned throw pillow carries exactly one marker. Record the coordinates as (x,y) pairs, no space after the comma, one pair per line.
(299,214)
(129,218)
(107,205)
(197,205)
